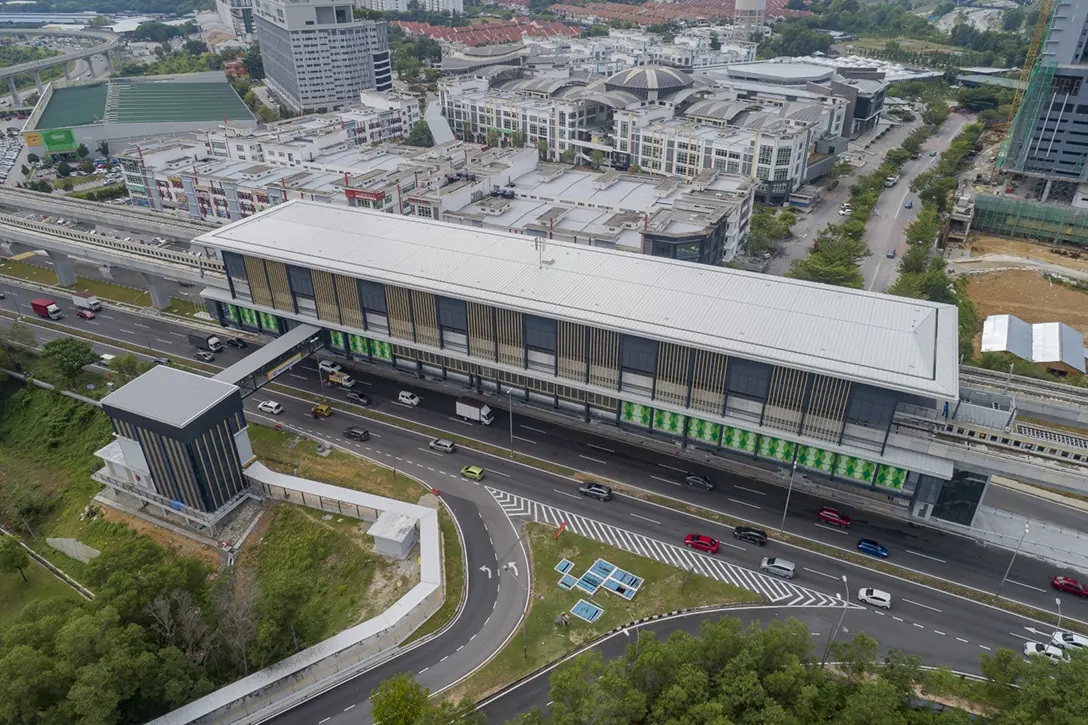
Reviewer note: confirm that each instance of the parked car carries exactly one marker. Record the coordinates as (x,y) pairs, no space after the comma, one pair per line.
(473,473)
(1069,585)
(328,366)
(702,543)
(1038,649)
(161,360)
(932,153)
(833,517)
(237,342)
(908,205)
(868,546)
(442,445)
(85,314)
(876,597)
(357,434)
(357,398)
(698,481)
(1068,640)
(203,356)
(270,406)
(751,535)
(321,411)
(778,567)
(407,398)
(891,253)
(596,490)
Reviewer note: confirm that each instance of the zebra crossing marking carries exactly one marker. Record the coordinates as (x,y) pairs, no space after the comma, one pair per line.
(778,591)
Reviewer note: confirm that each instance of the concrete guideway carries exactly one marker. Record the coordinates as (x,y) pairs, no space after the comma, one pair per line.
(109,45)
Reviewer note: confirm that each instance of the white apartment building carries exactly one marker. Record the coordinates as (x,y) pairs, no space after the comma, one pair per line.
(317,56)
(401,6)
(236,15)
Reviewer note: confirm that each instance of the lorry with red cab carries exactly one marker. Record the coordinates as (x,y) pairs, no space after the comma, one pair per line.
(47,308)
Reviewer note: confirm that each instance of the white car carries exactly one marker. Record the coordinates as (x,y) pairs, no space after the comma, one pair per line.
(328,366)
(845,212)
(1037,649)
(270,406)
(1068,640)
(407,398)
(875,597)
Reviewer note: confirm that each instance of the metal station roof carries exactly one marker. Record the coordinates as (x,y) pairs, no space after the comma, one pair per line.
(891,342)
(168,395)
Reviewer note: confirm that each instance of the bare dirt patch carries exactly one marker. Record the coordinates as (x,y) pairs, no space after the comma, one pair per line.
(1029,296)
(981,244)
(164,537)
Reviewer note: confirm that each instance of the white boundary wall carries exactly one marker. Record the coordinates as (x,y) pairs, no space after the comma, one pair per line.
(247,699)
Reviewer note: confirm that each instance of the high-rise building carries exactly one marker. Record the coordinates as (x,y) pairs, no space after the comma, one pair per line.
(401,6)
(237,15)
(317,56)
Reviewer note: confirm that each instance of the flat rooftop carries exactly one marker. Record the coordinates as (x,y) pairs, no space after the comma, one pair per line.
(169,395)
(891,342)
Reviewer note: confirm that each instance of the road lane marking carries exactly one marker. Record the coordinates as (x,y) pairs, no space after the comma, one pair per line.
(300,377)
(175,334)
(127,332)
(433,453)
(734,546)
(535,430)
(348,708)
(985,648)
(600,448)
(595,460)
(898,619)
(500,473)
(137,324)
(664,480)
(819,572)
(455,420)
(923,606)
(565,493)
(937,631)
(1020,636)
(745,503)
(961,639)
(926,556)
(751,490)
(917,625)
(1026,586)
(424,670)
(836,529)
(164,342)
(646,519)
(519,438)
(671,468)
(319,722)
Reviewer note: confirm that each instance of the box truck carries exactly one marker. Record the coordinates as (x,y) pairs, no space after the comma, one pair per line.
(210,343)
(474,410)
(86,301)
(46,308)
(342,379)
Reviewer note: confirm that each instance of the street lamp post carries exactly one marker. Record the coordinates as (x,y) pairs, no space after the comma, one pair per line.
(793,472)
(835,632)
(1059,603)
(1012,560)
(510,414)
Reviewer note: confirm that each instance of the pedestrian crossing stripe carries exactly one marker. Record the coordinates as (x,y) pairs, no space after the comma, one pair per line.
(779,591)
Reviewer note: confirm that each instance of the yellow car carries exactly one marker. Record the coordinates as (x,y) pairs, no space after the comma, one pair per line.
(474,473)
(321,411)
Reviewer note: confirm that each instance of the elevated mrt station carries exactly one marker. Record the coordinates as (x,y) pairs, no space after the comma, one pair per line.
(726,361)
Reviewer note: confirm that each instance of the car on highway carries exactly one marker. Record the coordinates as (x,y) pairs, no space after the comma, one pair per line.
(357,398)
(778,567)
(845,211)
(1069,585)
(1068,640)
(237,342)
(270,406)
(408,398)
(875,548)
(908,204)
(442,445)
(204,356)
(473,473)
(161,360)
(697,480)
(598,491)
(751,535)
(1038,649)
(876,597)
(932,153)
(85,314)
(891,253)
(702,543)
(328,366)
(321,411)
(357,434)
(833,516)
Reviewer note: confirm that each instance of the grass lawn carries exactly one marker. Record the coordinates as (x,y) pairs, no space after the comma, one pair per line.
(66,184)
(101,288)
(664,590)
(905,43)
(40,584)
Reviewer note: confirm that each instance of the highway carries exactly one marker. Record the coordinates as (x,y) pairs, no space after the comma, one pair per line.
(944,629)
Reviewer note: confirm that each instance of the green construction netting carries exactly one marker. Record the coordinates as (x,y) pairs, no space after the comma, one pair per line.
(1030,220)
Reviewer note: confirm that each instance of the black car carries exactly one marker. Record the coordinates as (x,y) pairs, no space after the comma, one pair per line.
(698,481)
(752,536)
(357,434)
(358,398)
(237,342)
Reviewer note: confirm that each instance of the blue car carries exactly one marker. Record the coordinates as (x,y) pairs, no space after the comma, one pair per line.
(909,205)
(868,546)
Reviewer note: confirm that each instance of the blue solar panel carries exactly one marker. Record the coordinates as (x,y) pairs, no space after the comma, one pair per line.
(564,566)
(602,568)
(567,581)
(584,610)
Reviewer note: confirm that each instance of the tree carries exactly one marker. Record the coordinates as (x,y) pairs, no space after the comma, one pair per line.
(194,47)
(253,63)
(235,606)
(398,701)
(542,149)
(420,135)
(835,259)
(67,356)
(596,156)
(104,148)
(13,557)
(492,137)
(63,169)
(517,139)
(82,151)
(24,170)
(568,156)
(128,367)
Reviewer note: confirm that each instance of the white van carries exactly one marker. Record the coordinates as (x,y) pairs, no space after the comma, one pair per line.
(778,567)
(106,359)
(407,398)
(875,597)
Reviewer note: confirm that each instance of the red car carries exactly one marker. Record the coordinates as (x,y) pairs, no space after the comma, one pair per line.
(833,517)
(85,314)
(702,543)
(1070,586)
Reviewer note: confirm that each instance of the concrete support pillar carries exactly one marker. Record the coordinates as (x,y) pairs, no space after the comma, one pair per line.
(14,249)
(1046,191)
(160,291)
(15,100)
(38,81)
(67,73)
(106,271)
(62,265)
(90,67)
(114,59)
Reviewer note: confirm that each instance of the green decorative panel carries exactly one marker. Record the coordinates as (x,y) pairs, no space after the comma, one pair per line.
(232,313)
(357,344)
(669,422)
(813,457)
(635,413)
(269,322)
(336,339)
(855,468)
(738,439)
(243,315)
(380,350)
(891,477)
(777,448)
(704,430)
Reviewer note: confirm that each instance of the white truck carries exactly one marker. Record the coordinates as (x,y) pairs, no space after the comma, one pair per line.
(86,301)
(891,180)
(474,410)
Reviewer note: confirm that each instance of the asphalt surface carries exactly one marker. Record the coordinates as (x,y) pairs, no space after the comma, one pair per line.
(942,628)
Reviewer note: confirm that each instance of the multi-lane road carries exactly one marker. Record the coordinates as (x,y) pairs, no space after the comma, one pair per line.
(942,628)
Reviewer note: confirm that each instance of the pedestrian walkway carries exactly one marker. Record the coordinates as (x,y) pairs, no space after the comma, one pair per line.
(778,591)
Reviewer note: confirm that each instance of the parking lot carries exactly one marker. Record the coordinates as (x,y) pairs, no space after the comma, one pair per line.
(10,150)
